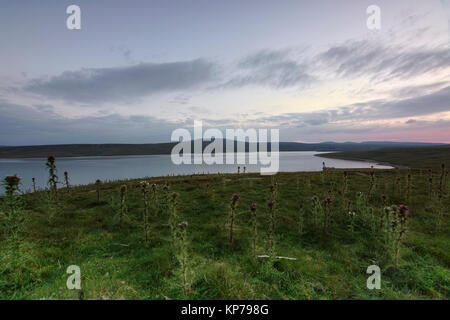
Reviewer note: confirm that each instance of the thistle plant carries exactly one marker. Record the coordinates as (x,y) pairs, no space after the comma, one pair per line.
(183,256)
(388,226)
(173,214)
(372,184)
(33,180)
(344,183)
(382,215)
(13,222)
(316,209)
(164,204)
(66,180)
(399,229)
(254,228)
(98,184)
(324,172)
(351,224)
(52,175)
(154,199)
(145,186)
(398,185)
(233,206)
(326,214)
(271,205)
(440,214)
(123,202)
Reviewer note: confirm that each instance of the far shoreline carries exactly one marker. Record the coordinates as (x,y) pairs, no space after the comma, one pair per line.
(380,163)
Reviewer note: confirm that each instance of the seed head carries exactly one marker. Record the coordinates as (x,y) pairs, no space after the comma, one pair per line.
(12,180)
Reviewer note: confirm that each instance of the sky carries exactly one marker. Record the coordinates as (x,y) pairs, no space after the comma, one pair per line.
(138,70)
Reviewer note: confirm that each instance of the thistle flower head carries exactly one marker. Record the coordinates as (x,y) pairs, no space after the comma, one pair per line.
(183,225)
(270,203)
(51,159)
(253,207)
(271,187)
(13,180)
(98,182)
(234,199)
(383,196)
(403,210)
(314,198)
(327,200)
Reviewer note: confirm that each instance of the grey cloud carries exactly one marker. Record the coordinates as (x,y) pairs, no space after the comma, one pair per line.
(98,85)
(382,62)
(419,90)
(274,69)
(432,103)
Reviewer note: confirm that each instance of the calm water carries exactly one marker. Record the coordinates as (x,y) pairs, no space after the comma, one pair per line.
(85,170)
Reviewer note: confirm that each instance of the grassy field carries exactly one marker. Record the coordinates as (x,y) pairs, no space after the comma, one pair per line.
(417,157)
(333,248)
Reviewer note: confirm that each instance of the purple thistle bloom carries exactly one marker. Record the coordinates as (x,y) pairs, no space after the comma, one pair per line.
(253,207)
(403,210)
(270,203)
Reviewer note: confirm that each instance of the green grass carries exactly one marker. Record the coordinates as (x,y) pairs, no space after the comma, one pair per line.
(414,157)
(116,262)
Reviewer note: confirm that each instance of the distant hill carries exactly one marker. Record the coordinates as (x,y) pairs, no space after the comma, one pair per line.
(415,157)
(80,150)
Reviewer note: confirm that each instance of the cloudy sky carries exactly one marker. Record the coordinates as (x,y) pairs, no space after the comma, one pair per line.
(137,70)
